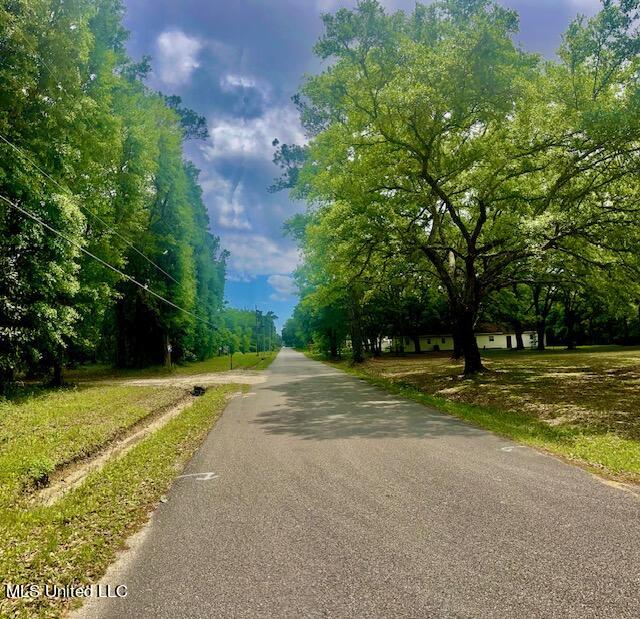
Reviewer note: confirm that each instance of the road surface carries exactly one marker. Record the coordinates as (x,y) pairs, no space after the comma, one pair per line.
(326,497)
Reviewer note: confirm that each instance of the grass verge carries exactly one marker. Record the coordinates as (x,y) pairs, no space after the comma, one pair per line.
(602,452)
(241,361)
(74,540)
(49,429)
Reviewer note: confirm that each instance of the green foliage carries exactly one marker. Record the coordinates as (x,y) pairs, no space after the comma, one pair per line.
(98,157)
(249,331)
(441,150)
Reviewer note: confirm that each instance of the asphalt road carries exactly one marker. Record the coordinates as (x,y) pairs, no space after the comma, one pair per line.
(333,499)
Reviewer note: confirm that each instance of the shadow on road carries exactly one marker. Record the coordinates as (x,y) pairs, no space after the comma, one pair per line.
(334,406)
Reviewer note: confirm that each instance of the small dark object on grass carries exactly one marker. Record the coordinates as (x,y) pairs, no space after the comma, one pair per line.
(198,391)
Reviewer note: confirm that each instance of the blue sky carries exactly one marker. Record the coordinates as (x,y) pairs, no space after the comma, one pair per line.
(238,62)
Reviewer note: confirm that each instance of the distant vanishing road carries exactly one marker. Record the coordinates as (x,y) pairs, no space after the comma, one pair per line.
(334,499)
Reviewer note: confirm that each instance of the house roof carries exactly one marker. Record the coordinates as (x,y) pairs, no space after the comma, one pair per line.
(493,327)
(484,332)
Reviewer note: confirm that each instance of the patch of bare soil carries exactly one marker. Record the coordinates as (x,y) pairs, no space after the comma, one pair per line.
(70,476)
(239,377)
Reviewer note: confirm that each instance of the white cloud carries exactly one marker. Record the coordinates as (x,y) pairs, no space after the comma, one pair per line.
(231,81)
(255,254)
(326,5)
(231,212)
(177,56)
(586,4)
(284,286)
(329,6)
(227,202)
(252,137)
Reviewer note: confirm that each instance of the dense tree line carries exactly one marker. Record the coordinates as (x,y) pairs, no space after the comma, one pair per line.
(250,331)
(561,316)
(88,149)
(452,176)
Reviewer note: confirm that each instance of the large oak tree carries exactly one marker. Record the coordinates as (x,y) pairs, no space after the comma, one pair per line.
(434,131)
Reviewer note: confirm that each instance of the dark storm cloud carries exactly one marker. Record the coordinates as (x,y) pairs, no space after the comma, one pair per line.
(238,63)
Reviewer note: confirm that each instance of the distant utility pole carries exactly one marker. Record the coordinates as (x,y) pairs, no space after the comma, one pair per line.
(257,334)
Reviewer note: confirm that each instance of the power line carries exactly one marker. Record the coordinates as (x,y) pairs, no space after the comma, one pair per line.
(84,208)
(101,261)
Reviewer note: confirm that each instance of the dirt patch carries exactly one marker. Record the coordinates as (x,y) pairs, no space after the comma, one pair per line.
(71,476)
(239,377)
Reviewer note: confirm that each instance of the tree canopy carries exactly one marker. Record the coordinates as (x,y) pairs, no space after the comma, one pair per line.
(437,143)
(92,174)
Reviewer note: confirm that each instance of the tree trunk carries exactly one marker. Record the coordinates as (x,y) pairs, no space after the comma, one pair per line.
(541,330)
(56,380)
(542,308)
(121,346)
(357,351)
(569,321)
(470,350)
(333,344)
(166,344)
(457,345)
(357,354)
(517,326)
(416,343)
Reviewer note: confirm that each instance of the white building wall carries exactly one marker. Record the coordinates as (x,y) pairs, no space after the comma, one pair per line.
(486,341)
(495,340)
(430,342)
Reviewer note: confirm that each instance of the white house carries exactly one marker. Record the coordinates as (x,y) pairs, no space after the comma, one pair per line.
(486,341)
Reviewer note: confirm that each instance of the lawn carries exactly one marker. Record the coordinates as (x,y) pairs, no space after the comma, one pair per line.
(44,430)
(241,361)
(73,540)
(583,405)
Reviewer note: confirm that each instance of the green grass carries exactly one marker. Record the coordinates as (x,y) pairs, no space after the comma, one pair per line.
(75,539)
(241,361)
(42,431)
(583,406)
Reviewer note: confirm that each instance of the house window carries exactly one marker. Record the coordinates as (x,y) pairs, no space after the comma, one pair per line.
(491,338)
(443,340)
(428,340)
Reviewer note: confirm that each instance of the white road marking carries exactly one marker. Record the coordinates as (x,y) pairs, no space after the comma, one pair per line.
(200,476)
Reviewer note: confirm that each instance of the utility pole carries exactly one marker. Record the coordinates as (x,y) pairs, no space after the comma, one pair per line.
(257,334)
